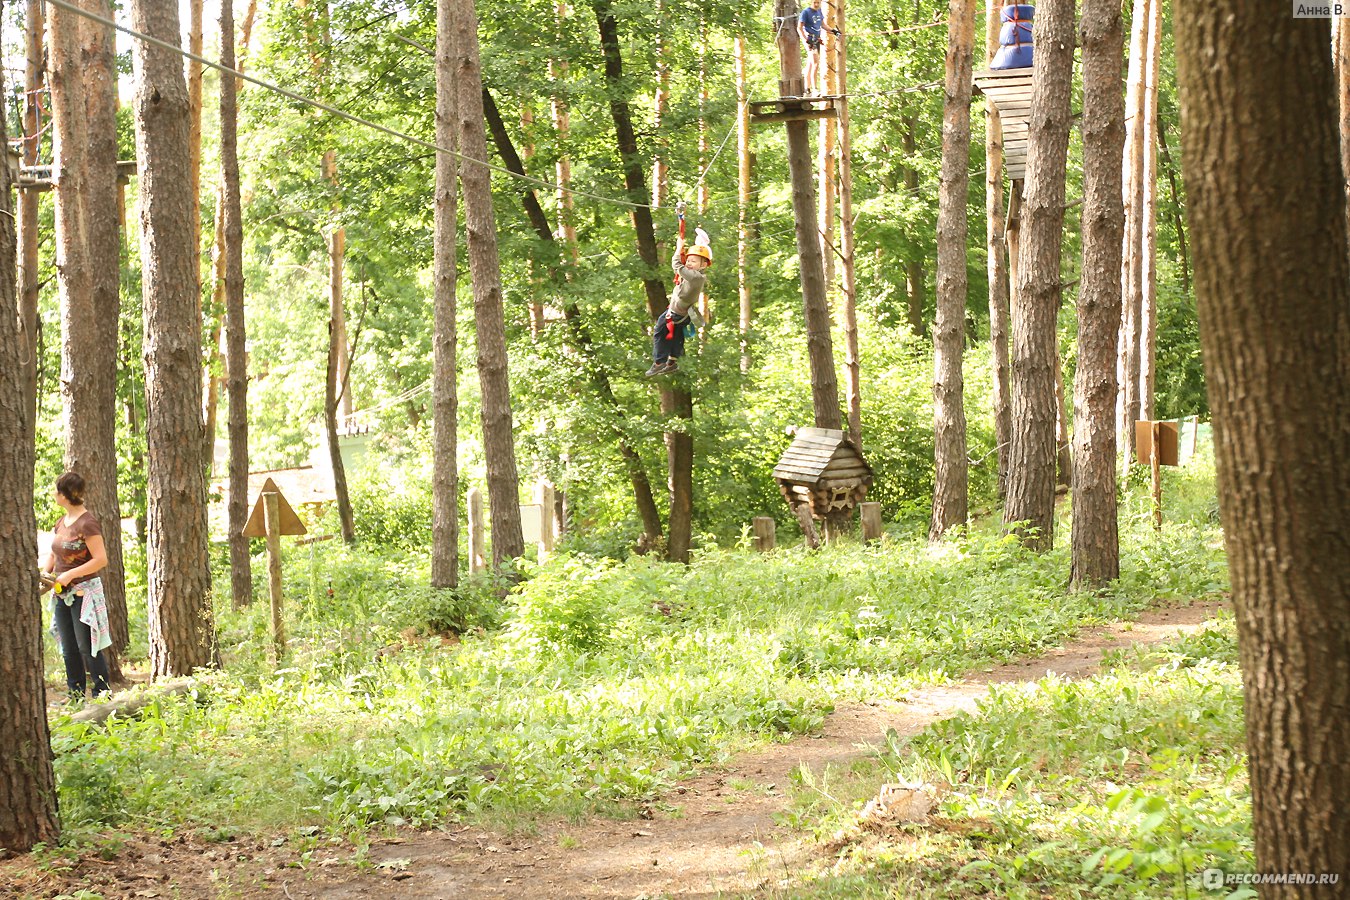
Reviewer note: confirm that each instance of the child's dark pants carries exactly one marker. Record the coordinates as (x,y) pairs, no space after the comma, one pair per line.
(668,338)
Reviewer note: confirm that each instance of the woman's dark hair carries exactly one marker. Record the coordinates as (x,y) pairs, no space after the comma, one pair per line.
(71,486)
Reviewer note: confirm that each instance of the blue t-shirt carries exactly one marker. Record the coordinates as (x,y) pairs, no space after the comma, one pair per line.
(811,20)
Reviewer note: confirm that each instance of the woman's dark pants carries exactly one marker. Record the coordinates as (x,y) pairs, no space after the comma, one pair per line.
(75,648)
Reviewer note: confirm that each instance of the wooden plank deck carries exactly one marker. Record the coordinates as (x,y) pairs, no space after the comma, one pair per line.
(1010,92)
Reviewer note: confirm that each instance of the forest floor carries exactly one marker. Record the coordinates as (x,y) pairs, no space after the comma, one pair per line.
(713,835)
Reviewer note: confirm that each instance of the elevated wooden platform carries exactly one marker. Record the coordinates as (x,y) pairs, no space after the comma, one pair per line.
(1010,92)
(790,109)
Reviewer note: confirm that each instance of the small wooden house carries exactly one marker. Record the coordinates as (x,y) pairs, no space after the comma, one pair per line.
(822,473)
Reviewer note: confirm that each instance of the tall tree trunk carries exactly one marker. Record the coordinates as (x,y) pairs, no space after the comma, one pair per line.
(825,153)
(1095,542)
(499,447)
(914,276)
(194,84)
(847,247)
(444,389)
(27,786)
(743,174)
(562,124)
(661,97)
(1063,447)
(1273,293)
(580,333)
(236,356)
(1148,281)
(1131,272)
(1031,463)
(1341,60)
(337,386)
(951,477)
(704,153)
(997,244)
(819,343)
(84,105)
(29,211)
(675,401)
(182,631)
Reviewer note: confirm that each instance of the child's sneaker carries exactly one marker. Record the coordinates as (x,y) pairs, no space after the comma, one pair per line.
(656,369)
(669,367)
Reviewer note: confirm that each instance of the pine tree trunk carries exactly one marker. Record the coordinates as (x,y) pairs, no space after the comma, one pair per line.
(444,389)
(84,102)
(743,189)
(819,342)
(1341,56)
(847,247)
(1131,273)
(914,276)
(29,214)
(27,786)
(1094,537)
(194,84)
(1273,294)
(336,382)
(498,441)
(661,97)
(1148,281)
(562,124)
(951,477)
(825,159)
(236,356)
(182,631)
(1031,463)
(674,401)
(997,255)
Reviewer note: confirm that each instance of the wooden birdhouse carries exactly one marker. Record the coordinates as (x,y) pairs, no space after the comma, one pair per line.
(822,473)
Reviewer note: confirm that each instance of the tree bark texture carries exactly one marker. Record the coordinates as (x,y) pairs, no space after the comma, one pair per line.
(1031,463)
(579,332)
(1341,57)
(675,401)
(1148,280)
(485,270)
(336,382)
(194,84)
(84,101)
(914,275)
(27,786)
(1259,131)
(847,245)
(951,476)
(236,356)
(819,342)
(1094,537)
(182,631)
(1131,271)
(444,389)
(997,259)
(29,214)
(825,147)
(743,189)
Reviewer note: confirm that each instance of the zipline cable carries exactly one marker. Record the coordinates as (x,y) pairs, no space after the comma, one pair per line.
(333,110)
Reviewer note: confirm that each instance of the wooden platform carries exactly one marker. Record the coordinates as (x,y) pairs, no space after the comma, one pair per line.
(790,109)
(1010,92)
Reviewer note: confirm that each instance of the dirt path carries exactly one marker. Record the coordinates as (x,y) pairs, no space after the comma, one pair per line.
(721,838)
(716,835)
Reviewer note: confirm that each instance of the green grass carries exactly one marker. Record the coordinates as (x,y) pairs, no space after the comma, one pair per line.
(593,687)
(1125,785)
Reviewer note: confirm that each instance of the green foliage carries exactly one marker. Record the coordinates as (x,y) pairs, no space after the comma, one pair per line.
(1128,784)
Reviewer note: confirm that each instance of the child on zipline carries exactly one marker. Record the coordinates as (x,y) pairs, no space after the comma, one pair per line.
(668,337)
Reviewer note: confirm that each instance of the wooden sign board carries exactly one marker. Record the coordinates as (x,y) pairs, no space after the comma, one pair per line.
(1168,443)
(256,526)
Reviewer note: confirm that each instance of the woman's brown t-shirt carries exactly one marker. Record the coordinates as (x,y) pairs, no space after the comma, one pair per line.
(70,543)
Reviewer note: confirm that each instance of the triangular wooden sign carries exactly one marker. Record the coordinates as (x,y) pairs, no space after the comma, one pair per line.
(256,526)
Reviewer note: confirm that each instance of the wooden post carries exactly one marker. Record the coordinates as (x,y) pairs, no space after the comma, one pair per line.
(766,531)
(544,496)
(870,513)
(477,558)
(1155,459)
(1195,424)
(272,519)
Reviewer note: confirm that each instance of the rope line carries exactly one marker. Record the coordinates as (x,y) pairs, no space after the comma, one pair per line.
(333,110)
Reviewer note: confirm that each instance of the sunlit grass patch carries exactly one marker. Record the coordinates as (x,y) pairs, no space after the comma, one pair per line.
(1128,784)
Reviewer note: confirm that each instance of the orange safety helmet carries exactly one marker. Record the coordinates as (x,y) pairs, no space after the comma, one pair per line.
(701,251)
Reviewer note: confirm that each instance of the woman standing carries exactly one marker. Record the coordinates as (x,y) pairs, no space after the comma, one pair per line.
(78,608)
